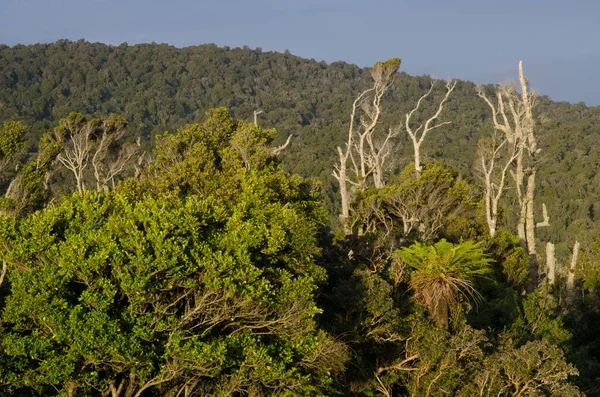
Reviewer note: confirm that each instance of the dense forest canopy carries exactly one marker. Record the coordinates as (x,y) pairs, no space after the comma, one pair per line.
(162,234)
(157,87)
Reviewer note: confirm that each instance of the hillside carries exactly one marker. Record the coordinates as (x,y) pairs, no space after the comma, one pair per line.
(158,88)
(154,242)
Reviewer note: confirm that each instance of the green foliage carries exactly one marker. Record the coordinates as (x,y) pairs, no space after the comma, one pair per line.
(384,72)
(511,257)
(214,220)
(29,189)
(420,207)
(541,320)
(12,144)
(444,272)
(442,361)
(537,368)
(200,290)
(156,87)
(589,270)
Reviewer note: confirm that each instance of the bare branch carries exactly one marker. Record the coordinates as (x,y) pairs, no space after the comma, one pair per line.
(546,221)
(494,175)
(418,135)
(365,153)
(276,151)
(75,158)
(256,113)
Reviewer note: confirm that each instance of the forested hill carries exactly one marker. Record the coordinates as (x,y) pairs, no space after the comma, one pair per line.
(157,87)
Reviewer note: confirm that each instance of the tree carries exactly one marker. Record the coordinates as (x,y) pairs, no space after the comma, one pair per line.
(443,273)
(363,150)
(518,125)
(496,157)
(96,141)
(418,135)
(12,145)
(29,189)
(435,361)
(190,291)
(111,157)
(75,157)
(414,205)
(537,368)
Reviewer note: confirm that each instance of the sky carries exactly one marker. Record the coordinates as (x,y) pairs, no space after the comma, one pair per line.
(480,41)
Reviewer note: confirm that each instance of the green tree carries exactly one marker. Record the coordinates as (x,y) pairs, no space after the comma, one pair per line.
(129,292)
(12,145)
(443,273)
(537,368)
(412,206)
(29,190)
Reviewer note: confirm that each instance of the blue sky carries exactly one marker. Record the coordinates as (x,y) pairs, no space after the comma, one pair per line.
(481,41)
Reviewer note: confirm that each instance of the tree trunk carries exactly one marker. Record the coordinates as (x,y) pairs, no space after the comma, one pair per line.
(377,175)
(571,275)
(80,185)
(71,389)
(491,207)
(530,229)
(3,272)
(344,194)
(129,392)
(418,168)
(550,263)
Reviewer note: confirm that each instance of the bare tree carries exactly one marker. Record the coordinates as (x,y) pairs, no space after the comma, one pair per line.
(571,275)
(507,117)
(256,113)
(550,263)
(98,142)
(496,157)
(75,157)
(276,151)
(513,116)
(365,152)
(418,134)
(111,158)
(528,100)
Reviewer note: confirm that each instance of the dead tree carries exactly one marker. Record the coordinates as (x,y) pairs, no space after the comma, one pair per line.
(528,100)
(507,117)
(571,274)
(98,142)
(256,113)
(276,151)
(75,157)
(550,263)
(418,134)
(496,158)
(513,116)
(111,158)
(365,153)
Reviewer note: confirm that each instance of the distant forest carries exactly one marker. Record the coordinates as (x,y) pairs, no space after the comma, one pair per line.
(171,224)
(159,88)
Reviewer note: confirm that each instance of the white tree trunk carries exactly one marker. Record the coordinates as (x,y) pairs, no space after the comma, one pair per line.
(571,275)
(530,229)
(550,263)
(344,193)
(417,149)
